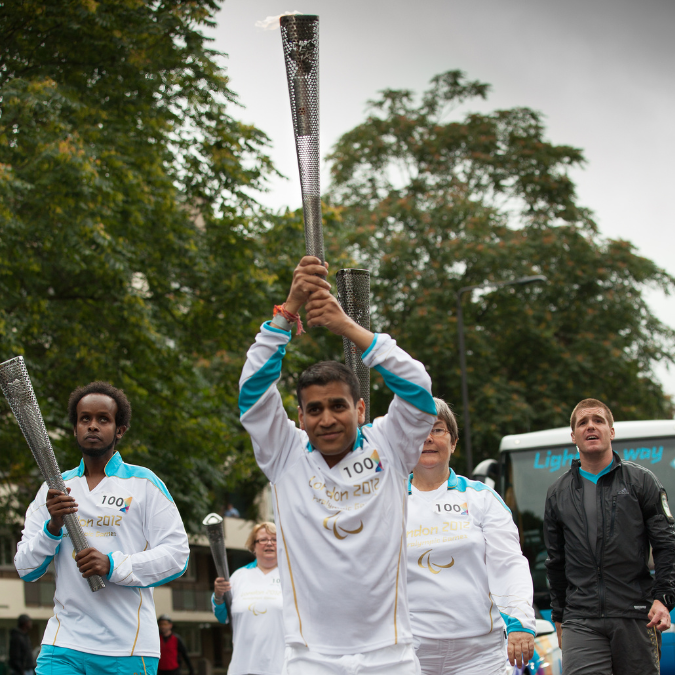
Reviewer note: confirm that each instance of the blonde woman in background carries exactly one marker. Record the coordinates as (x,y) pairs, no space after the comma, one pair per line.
(257,611)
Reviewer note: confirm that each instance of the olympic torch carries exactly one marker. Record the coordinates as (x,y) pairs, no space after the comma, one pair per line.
(214,531)
(353,288)
(300,40)
(18,390)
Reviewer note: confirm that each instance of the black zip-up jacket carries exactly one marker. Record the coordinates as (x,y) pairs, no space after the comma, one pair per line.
(615,582)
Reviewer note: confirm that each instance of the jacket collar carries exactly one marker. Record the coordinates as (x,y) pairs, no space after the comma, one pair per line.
(576,465)
(111,467)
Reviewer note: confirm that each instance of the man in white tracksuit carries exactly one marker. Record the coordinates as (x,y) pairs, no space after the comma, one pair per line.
(137,542)
(339,492)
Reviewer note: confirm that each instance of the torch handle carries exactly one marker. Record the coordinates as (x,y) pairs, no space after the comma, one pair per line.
(79,543)
(75,531)
(46,460)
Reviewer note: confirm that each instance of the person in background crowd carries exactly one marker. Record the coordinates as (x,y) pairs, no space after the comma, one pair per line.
(232,512)
(20,649)
(257,609)
(172,649)
(601,519)
(468,580)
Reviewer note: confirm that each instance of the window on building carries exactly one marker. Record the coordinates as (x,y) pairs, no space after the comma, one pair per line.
(191,571)
(7,550)
(39,593)
(190,599)
(191,636)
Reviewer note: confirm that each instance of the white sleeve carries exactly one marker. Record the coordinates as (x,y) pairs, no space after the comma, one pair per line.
(412,413)
(262,411)
(508,571)
(38,546)
(167,553)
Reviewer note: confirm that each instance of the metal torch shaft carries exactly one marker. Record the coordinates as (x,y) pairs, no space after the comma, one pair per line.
(18,390)
(354,297)
(214,531)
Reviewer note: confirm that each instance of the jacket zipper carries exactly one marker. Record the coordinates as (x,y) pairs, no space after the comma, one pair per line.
(611,527)
(602,555)
(590,548)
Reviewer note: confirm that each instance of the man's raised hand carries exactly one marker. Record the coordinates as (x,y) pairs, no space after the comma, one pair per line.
(323,309)
(308,278)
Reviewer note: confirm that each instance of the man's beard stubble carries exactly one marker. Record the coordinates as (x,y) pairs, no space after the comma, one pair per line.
(96,452)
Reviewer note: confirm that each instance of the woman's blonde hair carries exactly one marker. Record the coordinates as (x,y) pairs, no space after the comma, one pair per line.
(444,412)
(250,542)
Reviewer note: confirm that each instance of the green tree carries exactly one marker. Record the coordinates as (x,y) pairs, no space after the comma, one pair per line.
(431,204)
(129,234)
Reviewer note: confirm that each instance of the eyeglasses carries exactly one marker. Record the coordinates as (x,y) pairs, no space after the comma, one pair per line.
(265,541)
(437,431)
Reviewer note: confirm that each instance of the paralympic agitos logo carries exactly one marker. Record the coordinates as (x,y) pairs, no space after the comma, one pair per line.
(337,528)
(428,565)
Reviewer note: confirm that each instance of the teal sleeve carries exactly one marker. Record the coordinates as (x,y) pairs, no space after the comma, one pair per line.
(513,625)
(219,610)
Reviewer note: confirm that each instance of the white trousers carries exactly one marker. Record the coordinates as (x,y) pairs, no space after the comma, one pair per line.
(392,660)
(482,655)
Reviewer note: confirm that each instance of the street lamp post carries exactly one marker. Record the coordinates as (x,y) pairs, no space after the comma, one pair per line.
(462,354)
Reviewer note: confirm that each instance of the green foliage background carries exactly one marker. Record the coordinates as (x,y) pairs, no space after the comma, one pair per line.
(431,204)
(133,248)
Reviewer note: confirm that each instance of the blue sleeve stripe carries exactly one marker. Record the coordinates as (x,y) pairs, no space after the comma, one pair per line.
(49,534)
(219,610)
(370,349)
(260,382)
(167,580)
(112,566)
(275,329)
(512,624)
(464,483)
(409,391)
(39,571)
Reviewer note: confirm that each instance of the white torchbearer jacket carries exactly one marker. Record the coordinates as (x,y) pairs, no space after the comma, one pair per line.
(131,517)
(257,622)
(341,531)
(466,573)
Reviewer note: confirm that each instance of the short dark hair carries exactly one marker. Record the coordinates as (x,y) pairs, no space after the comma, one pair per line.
(23,620)
(325,372)
(591,403)
(123,416)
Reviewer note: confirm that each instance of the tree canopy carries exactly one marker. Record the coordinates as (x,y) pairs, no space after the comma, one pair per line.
(129,234)
(432,200)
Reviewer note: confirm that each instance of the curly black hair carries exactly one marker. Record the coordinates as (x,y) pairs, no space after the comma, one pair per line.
(123,416)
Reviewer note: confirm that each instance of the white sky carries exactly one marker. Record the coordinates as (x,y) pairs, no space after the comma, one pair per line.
(601,71)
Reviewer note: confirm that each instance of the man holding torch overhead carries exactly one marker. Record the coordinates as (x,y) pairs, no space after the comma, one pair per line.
(338,490)
(138,541)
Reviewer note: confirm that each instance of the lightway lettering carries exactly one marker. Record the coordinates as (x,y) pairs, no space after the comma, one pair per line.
(554,462)
(652,454)
(562,460)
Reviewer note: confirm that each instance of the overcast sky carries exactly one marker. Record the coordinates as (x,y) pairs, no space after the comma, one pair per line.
(601,71)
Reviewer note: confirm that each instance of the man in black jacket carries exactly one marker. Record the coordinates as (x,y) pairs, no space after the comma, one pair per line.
(601,518)
(20,649)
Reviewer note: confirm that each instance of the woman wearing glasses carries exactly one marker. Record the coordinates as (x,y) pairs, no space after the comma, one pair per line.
(468,582)
(257,613)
